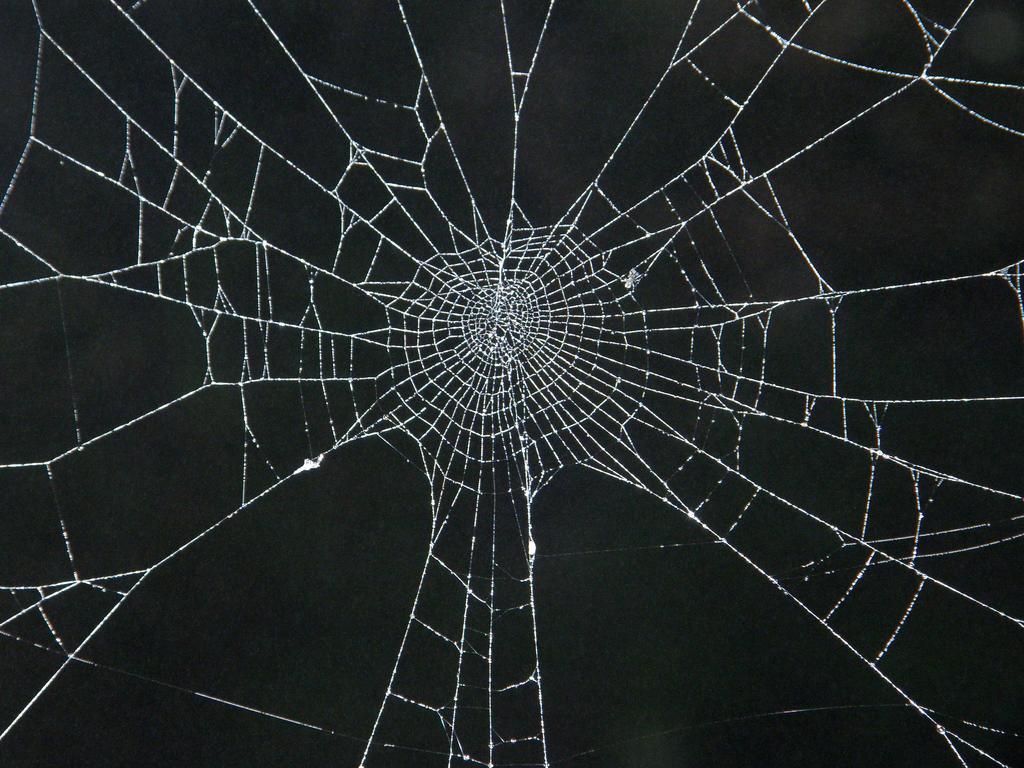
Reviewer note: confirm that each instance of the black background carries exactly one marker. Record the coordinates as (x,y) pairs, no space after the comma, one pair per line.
(657,647)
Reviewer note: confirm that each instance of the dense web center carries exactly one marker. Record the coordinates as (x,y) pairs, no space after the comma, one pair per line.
(514,349)
(502,320)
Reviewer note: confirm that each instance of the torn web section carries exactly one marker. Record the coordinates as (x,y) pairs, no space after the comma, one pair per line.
(466,683)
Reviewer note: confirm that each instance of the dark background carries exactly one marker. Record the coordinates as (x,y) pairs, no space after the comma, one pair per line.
(657,647)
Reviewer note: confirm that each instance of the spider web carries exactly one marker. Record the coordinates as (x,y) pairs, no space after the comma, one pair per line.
(687,311)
